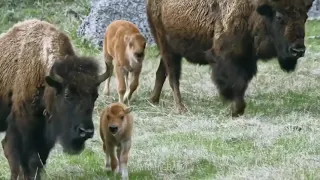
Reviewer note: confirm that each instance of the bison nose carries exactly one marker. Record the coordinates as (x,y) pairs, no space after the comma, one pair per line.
(113,129)
(297,51)
(85,133)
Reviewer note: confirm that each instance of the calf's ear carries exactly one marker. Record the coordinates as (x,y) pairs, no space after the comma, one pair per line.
(266,10)
(127,110)
(55,84)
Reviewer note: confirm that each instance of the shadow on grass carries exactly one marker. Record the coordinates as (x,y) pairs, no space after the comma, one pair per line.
(267,104)
(102,174)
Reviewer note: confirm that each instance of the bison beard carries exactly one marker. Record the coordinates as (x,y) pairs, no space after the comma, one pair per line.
(288,65)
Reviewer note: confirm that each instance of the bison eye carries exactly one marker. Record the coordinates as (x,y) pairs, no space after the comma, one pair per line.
(122,117)
(67,96)
(279,17)
(139,55)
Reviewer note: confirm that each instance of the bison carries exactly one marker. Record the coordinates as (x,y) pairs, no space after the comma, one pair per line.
(116,125)
(124,45)
(47,95)
(230,36)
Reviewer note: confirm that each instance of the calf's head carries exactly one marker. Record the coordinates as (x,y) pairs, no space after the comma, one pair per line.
(285,21)
(116,117)
(70,97)
(135,47)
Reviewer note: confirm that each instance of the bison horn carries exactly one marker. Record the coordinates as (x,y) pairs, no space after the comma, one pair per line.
(55,76)
(105,75)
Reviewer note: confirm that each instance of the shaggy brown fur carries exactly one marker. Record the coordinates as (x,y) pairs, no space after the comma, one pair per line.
(116,124)
(230,35)
(124,46)
(40,76)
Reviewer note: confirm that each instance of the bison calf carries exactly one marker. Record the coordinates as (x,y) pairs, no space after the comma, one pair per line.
(116,125)
(124,43)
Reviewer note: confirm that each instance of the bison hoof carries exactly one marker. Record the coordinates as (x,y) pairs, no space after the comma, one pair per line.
(238,108)
(153,100)
(180,109)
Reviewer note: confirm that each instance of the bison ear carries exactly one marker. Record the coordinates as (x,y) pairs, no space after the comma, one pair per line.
(265,10)
(127,110)
(126,39)
(55,84)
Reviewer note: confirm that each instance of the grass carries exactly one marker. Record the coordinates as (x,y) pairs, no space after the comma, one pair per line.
(277,138)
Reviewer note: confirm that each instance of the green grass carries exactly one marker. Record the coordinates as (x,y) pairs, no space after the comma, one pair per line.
(277,138)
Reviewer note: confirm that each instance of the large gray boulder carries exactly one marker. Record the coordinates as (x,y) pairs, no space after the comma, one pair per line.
(103,12)
(314,13)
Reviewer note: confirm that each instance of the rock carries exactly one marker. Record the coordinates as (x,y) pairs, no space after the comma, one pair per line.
(314,13)
(103,12)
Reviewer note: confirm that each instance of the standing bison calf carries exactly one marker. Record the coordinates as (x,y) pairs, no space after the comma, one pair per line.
(47,94)
(230,35)
(116,124)
(124,46)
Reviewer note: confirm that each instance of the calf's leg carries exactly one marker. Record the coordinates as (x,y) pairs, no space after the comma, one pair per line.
(107,155)
(113,157)
(118,156)
(125,148)
(133,85)
(120,82)
(108,60)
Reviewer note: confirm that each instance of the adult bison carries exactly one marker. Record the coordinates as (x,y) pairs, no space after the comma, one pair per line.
(47,95)
(230,35)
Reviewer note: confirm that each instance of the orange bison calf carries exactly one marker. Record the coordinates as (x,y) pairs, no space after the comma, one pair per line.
(47,96)
(124,43)
(116,124)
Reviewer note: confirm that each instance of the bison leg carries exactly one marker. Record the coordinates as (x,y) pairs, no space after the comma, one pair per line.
(30,160)
(43,148)
(173,67)
(12,154)
(34,153)
(232,81)
(121,83)
(106,152)
(160,78)
(4,113)
(11,147)
(112,154)
(123,154)
(133,85)
(108,60)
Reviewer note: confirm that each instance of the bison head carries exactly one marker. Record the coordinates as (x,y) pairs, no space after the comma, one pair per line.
(285,24)
(73,89)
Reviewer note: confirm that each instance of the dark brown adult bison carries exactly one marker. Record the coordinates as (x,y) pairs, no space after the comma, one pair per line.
(47,95)
(230,35)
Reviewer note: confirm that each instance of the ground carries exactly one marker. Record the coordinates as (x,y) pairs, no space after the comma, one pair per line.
(277,138)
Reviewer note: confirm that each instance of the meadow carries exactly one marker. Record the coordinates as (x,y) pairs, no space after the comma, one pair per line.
(277,138)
